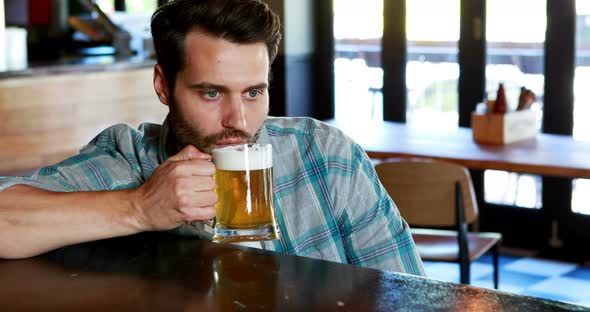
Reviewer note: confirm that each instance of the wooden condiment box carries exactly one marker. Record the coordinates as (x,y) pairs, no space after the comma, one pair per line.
(504,128)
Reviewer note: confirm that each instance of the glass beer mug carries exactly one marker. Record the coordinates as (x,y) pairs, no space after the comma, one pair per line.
(244,187)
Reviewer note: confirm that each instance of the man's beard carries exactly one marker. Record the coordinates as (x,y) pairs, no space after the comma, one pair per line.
(184,133)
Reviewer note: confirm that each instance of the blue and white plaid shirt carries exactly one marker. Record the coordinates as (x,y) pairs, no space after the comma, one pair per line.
(330,204)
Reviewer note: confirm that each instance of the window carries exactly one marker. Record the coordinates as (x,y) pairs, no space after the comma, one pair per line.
(131,6)
(512,189)
(515,57)
(141,6)
(581,131)
(357,60)
(432,71)
(106,5)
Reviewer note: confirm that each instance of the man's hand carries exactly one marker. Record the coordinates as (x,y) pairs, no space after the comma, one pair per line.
(181,190)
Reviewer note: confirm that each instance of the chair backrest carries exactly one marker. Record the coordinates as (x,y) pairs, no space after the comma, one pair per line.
(424,191)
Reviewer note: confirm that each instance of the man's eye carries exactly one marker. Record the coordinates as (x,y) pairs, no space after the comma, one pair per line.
(254,93)
(211,94)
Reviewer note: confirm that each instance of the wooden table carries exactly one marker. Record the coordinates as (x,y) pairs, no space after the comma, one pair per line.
(159,272)
(550,155)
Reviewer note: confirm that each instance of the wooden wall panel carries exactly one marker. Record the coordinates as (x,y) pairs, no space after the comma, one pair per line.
(46,119)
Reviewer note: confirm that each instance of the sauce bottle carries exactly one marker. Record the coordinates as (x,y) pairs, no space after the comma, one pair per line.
(501,107)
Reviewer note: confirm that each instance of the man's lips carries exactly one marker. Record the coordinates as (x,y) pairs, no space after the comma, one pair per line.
(232,141)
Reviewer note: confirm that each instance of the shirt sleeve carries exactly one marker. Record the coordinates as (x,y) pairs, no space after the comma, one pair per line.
(98,167)
(374,233)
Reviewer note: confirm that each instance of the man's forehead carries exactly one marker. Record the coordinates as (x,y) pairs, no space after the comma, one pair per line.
(215,59)
(201,41)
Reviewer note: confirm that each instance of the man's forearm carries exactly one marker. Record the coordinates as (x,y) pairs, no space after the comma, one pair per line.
(33,221)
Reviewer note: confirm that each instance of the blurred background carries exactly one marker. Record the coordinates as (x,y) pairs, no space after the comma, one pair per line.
(426,63)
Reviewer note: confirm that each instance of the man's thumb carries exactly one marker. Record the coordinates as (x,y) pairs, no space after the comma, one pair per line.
(188,153)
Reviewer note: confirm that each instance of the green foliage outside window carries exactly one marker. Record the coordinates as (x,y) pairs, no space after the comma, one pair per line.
(132,6)
(440,95)
(141,6)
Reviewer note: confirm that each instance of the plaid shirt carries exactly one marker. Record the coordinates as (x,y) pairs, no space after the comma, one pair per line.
(330,204)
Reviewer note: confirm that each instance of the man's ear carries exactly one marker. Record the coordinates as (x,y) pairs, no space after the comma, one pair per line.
(161,85)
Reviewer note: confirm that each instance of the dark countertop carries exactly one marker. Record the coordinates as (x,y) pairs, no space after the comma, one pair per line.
(155,271)
(87,64)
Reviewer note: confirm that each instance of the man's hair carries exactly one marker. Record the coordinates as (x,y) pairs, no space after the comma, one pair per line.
(238,21)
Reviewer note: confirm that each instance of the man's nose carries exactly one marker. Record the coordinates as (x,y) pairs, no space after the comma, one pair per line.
(234,114)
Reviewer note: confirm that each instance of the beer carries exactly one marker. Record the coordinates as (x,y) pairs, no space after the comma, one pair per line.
(244,186)
(235,207)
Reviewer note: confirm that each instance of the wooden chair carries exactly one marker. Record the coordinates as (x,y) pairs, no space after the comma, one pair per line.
(438,194)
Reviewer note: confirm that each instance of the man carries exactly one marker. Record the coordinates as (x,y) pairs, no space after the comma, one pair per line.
(213,64)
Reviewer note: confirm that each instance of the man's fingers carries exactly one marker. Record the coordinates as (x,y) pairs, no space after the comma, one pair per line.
(197,199)
(195,167)
(198,213)
(194,184)
(188,153)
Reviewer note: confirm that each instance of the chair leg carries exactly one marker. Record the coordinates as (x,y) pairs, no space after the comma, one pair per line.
(465,271)
(496,268)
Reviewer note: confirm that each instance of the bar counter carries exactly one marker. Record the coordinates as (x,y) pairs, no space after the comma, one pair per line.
(161,272)
(51,110)
(73,65)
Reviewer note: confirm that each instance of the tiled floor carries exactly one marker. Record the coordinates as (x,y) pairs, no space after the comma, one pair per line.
(535,277)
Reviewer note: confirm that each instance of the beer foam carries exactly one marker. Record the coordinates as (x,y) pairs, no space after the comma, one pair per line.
(241,158)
